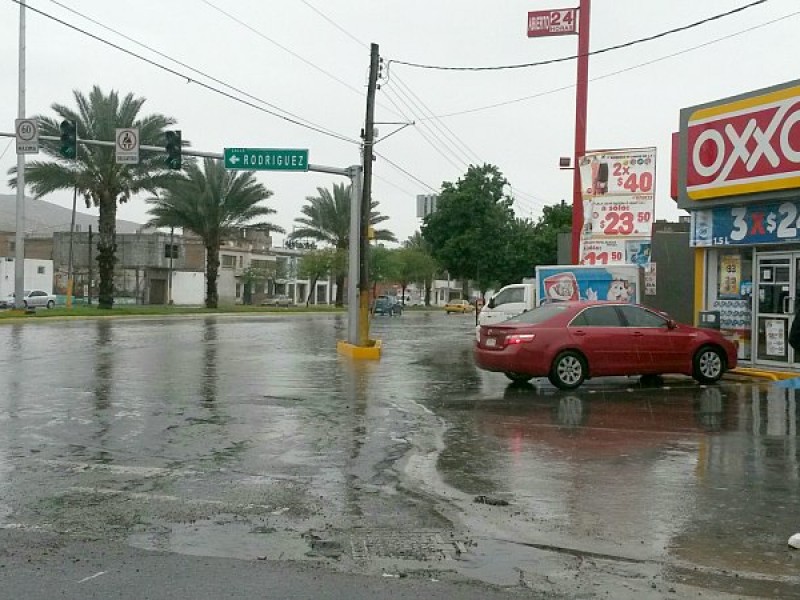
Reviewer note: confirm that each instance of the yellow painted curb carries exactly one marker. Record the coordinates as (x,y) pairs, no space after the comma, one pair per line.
(773,375)
(371,352)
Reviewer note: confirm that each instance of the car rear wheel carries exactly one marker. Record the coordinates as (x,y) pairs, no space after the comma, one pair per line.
(568,370)
(709,365)
(50,304)
(518,377)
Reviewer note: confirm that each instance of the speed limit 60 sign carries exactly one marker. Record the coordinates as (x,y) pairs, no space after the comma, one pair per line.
(27,133)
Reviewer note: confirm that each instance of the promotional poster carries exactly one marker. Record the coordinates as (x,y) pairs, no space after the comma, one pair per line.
(563,283)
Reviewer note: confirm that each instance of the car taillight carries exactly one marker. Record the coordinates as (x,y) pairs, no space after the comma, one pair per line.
(519,338)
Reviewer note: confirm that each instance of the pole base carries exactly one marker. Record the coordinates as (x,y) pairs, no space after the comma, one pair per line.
(370,352)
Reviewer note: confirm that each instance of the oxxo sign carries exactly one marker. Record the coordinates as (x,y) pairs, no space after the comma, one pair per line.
(742,146)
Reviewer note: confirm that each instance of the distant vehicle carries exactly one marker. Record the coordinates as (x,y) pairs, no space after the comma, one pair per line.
(279,300)
(31,299)
(387,305)
(569,342)
(458,306)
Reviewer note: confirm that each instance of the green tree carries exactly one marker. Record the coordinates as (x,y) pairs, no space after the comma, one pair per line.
(413,266)
(94,172)
(382,266)
(555,220)
(326,218)
(467,230)
(315,265)
(211,202)
(428,265)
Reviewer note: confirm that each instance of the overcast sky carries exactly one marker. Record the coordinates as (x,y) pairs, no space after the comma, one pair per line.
(308,60)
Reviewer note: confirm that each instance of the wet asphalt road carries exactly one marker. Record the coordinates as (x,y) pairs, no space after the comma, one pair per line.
(248,438)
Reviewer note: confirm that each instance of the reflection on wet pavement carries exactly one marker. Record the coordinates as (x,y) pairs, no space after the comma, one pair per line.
(249,437)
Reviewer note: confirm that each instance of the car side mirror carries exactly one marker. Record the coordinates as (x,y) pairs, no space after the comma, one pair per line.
(491,303)
(671,324)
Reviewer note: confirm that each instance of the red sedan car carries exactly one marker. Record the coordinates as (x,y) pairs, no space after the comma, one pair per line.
(569,342)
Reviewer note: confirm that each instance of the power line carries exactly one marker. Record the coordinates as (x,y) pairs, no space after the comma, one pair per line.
(311,64)
(458,165)
(294,121)
(618,72)
(406,173)
(164,55)
(332,22)
(592,53)
(447,133)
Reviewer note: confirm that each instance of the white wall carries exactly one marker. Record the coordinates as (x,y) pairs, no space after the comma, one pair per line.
(34,280)
(188,287)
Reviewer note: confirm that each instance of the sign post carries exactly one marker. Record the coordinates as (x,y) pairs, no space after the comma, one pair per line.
(266,159)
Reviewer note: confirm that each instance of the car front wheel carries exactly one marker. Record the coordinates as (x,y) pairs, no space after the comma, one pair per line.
(709,365)
(50,304)
(568,370)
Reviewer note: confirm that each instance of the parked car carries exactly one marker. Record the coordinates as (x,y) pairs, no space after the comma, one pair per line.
(31,299)
(279,300)
(458,306)
(569,342)
(387,305)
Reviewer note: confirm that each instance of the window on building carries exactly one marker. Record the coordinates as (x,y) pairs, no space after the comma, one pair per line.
(238,290)
(170,250)
(228,261)
(260,265)
(241,261)
(40,270)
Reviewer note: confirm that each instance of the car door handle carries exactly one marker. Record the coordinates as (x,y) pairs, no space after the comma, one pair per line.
(638,334)
(579,332)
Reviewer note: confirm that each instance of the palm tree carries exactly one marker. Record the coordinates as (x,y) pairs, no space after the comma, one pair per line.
(212,203)
(94,172)
(327,219)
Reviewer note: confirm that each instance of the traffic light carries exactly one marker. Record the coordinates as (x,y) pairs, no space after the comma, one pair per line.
(69,139)
(173,149)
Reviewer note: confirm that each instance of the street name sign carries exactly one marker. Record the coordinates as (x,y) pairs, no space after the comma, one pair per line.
(266,159)
(543,23)
(127,146)
(27,131)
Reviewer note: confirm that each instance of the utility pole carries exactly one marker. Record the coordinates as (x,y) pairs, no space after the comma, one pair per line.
(19,237)
(366,198)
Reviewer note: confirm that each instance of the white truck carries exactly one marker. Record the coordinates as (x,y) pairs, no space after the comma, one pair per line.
(559,283)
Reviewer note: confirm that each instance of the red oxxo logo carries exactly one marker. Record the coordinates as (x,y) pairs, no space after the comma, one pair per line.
(750,145)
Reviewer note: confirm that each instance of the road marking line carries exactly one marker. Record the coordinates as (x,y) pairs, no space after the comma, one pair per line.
(92,576)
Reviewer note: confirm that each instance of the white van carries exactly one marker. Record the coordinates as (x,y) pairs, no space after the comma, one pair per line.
(509,301)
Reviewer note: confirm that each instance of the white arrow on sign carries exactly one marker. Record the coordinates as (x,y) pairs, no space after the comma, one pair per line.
(234,159)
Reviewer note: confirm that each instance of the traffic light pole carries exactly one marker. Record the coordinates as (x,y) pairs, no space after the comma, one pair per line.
(356,331)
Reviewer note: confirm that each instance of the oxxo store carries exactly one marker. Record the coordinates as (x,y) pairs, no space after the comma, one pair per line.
(739,177)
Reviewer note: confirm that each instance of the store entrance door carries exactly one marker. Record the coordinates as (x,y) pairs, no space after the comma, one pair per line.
(777,301)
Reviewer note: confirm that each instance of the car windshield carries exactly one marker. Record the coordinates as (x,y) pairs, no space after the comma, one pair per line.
(540,314)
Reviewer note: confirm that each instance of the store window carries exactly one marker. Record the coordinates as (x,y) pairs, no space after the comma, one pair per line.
(731,291)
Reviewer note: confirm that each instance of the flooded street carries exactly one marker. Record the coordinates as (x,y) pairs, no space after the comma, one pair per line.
(248,437)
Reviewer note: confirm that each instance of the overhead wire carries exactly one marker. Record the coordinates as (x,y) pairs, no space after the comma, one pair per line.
(618,72)
(305,61)
(470,155)
(591,53)
(295,120)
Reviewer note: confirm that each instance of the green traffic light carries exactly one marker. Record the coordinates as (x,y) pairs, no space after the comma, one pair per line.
(173,147)
(69,140)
